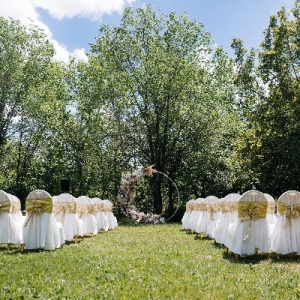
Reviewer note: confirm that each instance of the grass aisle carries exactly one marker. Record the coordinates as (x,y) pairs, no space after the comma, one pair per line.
(144,262)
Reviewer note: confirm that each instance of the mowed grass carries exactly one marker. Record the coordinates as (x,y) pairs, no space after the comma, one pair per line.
(145,262)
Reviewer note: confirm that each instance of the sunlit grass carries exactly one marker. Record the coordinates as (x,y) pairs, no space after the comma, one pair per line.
(145,262)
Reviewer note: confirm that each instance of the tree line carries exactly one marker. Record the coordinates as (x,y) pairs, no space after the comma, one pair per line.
(154,91)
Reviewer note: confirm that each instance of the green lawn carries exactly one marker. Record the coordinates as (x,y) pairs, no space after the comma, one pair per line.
(145,262)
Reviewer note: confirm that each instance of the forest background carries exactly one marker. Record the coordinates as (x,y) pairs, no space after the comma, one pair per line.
(154,91)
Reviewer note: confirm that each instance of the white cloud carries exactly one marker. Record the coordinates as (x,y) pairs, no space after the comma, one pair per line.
(19,9)
(80,54)
(27,11)
(94,9)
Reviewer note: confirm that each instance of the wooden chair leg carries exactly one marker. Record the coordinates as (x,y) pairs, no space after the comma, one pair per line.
(8,246)
(22,246)
(277,255)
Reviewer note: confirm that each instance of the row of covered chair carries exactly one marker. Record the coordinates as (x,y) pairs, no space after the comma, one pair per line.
(50,221)
(249,222)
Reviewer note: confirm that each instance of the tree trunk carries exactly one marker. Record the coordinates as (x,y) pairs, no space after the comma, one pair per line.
(171,198)
(157,182)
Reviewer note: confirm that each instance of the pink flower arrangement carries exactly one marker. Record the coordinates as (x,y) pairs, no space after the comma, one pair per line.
(128,183)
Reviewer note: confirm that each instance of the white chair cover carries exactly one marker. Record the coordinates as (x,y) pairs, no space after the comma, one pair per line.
(112,220)
(250,231)
(213,208)
(40,228)
(101,219)
(186,215)
(229,215)
(86,212)
(285,237)
(195,214)
(190,221)
(65,207)
(271,215)
(10,219)
(201,221)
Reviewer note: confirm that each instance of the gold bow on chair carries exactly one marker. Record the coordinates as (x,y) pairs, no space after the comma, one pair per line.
(82,210)
(212,209)
(92,209)
(248,211)
(193,206)
(5,206)
(271,207)
(39,206)
(64,208)
(34,206)
(252,210)
(107,208)
(289,211)
(99,207)
(228,207)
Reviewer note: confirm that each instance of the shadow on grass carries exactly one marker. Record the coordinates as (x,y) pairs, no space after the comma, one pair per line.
(13,249)
(258,257)
(291,257)
(248,260)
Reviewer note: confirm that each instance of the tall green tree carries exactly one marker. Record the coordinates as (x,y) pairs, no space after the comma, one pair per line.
(33,99)
(270,95)
(156,76)
(25,53)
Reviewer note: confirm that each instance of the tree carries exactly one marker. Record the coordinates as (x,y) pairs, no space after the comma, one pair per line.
(271,91)
(155,76)
(24,56)
(34,100)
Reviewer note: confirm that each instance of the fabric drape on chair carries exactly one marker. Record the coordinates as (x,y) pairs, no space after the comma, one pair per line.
(285,236)
(11,220)
(191,223)
(64,210)
(108,211)
(250,231)
(101,219)
(228,215)
(213,208)
(40,228)
(195,214)
(187,214)
(86,212)
(271,215)
(201,217)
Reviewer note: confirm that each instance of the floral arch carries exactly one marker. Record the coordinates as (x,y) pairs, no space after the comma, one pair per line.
(128,183)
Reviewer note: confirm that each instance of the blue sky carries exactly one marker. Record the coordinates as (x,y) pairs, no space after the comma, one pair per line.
(73,24)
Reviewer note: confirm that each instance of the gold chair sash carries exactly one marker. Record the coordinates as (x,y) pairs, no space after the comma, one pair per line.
(288,210)
(5,206)
(92,209)
(107,208)
(10,207)
(193,206)
(99,207)
(251,211)
(34,206)
(39,206)
(199,206)
(82,210)
(271,207)
(64,208)
(212,209)
(229,207)
(189,207)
